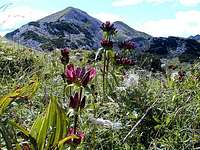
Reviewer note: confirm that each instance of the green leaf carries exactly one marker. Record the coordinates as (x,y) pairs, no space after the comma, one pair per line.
(25,92)
(61,142)
(50,127)
(156,119)
(23,130)
(167,120)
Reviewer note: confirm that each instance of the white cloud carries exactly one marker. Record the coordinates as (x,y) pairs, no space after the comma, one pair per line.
(189,2)
(122,3)
(13,17)
(184,24)
(159,1)
(103,16)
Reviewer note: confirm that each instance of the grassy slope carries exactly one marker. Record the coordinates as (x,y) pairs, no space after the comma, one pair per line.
(173,122)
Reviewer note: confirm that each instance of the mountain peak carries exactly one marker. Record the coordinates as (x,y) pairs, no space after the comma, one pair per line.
(70,27)
(69,12)
(68,9)
(126,32)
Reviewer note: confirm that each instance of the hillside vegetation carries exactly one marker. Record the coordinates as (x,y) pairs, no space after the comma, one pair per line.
(70,99)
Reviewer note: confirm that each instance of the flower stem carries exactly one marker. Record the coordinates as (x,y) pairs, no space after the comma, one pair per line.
(65,85)
(104,73)
(77,111)
(107,67)
(94,126)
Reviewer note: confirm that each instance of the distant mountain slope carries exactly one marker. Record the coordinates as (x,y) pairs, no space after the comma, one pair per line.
(70,27)
(196,37)
(184,48)
(126,32)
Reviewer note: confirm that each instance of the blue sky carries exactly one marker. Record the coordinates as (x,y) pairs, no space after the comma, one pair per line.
(155,17)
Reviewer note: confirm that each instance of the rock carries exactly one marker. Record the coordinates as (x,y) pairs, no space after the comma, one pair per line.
(196,37)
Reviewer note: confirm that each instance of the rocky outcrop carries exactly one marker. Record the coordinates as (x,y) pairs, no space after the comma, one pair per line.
(196,37)
(184,48)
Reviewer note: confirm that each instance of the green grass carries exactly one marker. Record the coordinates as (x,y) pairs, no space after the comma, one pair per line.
(173,122)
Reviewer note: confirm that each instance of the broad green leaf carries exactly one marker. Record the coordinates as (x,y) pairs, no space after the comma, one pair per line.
(23,130)
(25,92)
(61,142)
(50,127)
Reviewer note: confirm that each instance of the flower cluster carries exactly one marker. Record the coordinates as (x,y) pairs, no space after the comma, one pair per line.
(79,134)
(76,102)
(78,75)
(64,56)
(108,28)
(107,44)
(127,45)
(125,61)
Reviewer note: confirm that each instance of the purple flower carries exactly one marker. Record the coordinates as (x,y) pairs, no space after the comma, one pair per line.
(70,73)
(106,44)
(79,134)
(78,75)
(74,101)
(108,27)
(126,45)
(125,61)
(64,56)
(65,52)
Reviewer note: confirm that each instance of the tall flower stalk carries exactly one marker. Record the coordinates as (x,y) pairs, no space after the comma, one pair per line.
(109,30)
(64,58)
(80,77)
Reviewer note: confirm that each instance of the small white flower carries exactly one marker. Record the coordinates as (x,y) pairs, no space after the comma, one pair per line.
(105,123)
(163,66)
(102,122)
(121,88)
(135,114)
(174,75)
(131,80)
(117,125)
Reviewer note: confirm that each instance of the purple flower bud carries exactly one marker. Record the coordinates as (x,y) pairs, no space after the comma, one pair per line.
(80,134)
(64,56)
(65,52)
(107,44)
(74,101)
(108,27)
(70,73)
(126,45)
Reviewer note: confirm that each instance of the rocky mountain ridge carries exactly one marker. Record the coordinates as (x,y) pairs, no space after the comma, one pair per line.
(70,27)
(76,29)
